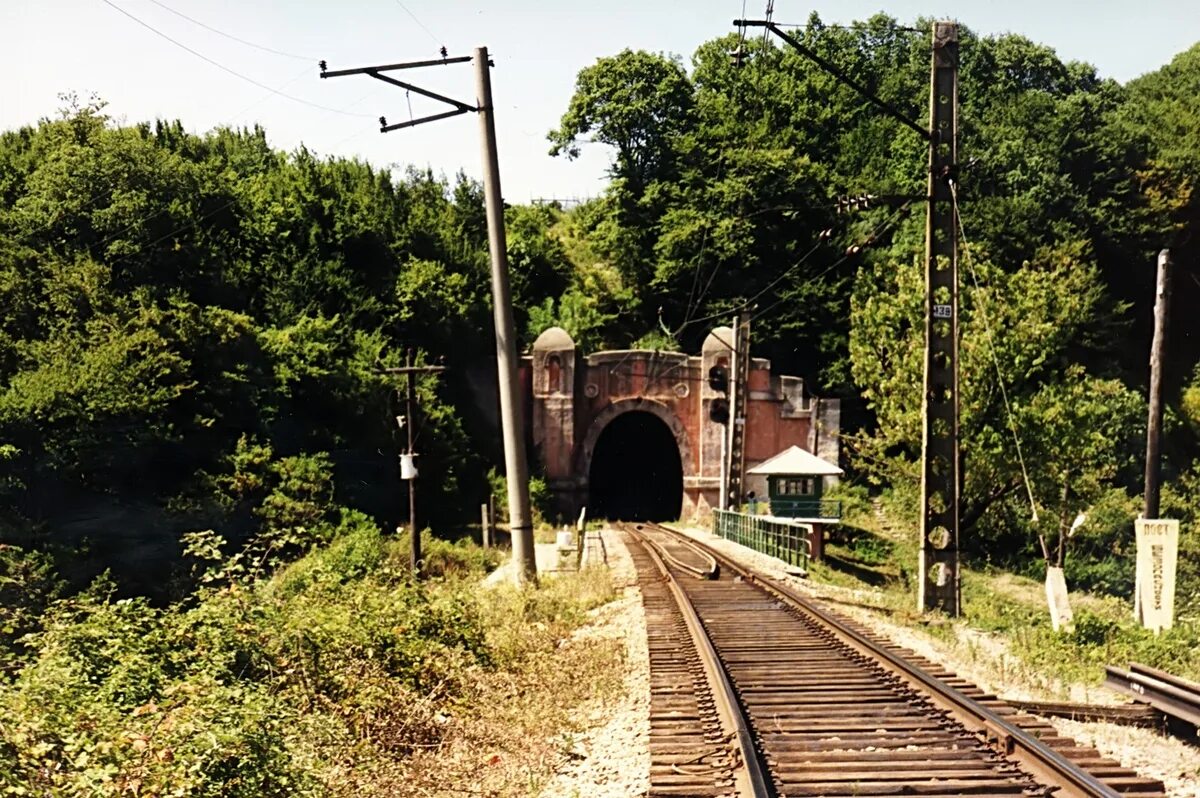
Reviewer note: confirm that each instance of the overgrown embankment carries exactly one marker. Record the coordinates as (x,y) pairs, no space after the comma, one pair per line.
(337,675)
(873,551)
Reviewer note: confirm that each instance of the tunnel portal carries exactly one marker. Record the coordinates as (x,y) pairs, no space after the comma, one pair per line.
(636,473)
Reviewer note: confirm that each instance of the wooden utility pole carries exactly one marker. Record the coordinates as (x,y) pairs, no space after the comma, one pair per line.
(938,568)
(414,532)
(1162,303)
(516,468)
(409,475)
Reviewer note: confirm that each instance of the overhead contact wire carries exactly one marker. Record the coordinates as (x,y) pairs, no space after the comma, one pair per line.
(226,69)
(230,36)
(419,23)
(879,230)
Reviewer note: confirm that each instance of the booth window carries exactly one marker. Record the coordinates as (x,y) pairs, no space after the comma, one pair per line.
(796,486)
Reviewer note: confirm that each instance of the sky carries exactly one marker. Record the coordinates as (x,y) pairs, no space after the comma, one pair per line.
(86,46)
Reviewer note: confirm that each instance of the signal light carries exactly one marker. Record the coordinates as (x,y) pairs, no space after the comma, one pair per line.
(718,411)
(718,379)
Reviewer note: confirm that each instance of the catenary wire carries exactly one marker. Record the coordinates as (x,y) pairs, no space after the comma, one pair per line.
(886,225)
(748,303)
(419,22)
(229,70)
(237,39)
(694,300)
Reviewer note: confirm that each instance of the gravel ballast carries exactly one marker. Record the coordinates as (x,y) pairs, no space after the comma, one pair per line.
(611,758)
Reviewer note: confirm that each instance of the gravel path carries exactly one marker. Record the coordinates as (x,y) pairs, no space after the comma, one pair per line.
(611,758)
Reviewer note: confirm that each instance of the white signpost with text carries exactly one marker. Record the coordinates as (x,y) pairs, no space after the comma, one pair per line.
(1157,554)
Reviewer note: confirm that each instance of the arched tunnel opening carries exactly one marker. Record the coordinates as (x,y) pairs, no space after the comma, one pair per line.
(636,473)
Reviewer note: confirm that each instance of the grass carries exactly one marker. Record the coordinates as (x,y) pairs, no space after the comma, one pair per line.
(338,675)
(517,725)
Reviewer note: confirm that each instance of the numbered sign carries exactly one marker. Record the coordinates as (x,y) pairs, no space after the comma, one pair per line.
(1157,554)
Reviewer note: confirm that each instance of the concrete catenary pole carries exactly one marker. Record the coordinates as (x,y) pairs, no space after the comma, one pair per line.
(516,467)
(938,569)
(1162,302)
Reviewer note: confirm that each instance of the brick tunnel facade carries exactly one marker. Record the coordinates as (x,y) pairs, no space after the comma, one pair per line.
(628,434)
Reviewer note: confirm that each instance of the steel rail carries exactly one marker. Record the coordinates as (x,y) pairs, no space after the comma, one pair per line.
(710,571)
(1178,682)
(1042,760)
(1166,692)
(750,780)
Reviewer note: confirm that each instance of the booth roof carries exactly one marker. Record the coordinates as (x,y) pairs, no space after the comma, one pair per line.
(795,461)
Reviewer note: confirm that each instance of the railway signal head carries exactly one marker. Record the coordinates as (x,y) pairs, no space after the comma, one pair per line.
(718,379)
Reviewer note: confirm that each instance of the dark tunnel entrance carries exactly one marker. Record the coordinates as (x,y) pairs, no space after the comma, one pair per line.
(636,473)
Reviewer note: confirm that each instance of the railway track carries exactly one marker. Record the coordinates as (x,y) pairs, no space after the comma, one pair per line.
(758,691)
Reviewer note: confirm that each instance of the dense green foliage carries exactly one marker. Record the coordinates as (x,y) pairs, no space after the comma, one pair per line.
(1069,187)
(321,680)
(192,319)
(194,327)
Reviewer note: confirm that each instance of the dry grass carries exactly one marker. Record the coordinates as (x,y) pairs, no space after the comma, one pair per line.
(506,735)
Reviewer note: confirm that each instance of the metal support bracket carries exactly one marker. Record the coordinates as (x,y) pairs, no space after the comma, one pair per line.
(376,72)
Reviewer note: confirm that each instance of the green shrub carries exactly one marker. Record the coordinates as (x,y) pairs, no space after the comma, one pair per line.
(855,499)
(28,585)
(122,697)
(1112,576)
(460,558)
(271,687)
(357,549)
(541,502)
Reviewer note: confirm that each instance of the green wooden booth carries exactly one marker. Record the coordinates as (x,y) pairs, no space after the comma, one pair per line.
(795,481)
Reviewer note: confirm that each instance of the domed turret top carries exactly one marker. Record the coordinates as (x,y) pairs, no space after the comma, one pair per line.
(554,338)
(719,340)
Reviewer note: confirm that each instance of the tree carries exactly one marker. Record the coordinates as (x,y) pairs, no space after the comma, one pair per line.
(168,294)
(1084,432)
(637,102)
(1021,334)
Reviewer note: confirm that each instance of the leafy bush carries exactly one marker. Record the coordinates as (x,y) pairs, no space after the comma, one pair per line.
(122,697)
(855,499)
(540,500)
(27,586)
(267,687)
(444,559)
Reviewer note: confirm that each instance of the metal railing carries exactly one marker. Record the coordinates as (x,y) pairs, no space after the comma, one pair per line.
(786,541)
(806,508)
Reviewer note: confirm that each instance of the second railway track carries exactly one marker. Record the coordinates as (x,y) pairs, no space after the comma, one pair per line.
(820,705)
